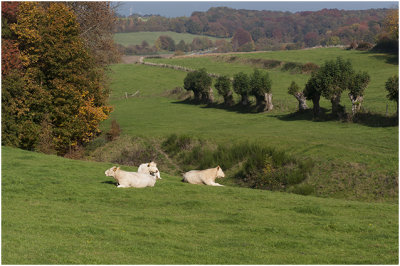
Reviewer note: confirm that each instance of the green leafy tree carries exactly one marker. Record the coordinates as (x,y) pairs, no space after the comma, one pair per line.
(330,81)
(223,86)
(242,87)
(392,87)
(295,90)
(260,87)
(181,46)
(312,91)
(357,85)
(200,83)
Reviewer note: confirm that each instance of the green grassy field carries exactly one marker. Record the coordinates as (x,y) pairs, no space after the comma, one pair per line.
(61,211)
(136,38)
(354,161)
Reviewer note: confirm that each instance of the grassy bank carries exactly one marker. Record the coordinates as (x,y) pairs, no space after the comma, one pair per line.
(60,211)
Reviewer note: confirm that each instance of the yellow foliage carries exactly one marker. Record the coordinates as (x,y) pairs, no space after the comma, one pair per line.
(392,23)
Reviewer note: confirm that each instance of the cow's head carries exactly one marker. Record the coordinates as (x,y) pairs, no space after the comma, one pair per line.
(220,173)
(111,171)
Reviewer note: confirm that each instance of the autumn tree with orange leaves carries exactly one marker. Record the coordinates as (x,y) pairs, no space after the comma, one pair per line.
(59,86)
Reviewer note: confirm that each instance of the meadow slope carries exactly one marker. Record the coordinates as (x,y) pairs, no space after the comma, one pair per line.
(353,160)
(61,211)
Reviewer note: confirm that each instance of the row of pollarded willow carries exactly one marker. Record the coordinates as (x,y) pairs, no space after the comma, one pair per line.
(257,84)
(331,80)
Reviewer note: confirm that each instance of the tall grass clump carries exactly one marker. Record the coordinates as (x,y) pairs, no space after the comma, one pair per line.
(255,165)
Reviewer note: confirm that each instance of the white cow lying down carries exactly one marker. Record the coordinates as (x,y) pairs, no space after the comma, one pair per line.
(131,179)
(207,176)
(149,168)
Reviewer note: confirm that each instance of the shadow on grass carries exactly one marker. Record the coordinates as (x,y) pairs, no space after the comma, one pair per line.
(366,119)
(109,183)
(237,108)
(376,120)
(389,58)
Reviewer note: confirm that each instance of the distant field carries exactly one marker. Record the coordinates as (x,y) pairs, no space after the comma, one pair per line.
(60,211)
(136,38)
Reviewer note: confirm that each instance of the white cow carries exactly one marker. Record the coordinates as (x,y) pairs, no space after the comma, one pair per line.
(207,176)
(131,179)
(149,168)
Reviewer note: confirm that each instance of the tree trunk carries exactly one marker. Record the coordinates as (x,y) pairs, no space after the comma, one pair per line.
(228,99)
(302,101)
(197,96)
(210,95)
(316,108)
(268,102)
(337,109)
(356,103)
(245,100)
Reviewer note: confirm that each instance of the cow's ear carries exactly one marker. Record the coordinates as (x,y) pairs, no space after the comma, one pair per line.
(114,168)
(218,167)
(117,168)
(148,165)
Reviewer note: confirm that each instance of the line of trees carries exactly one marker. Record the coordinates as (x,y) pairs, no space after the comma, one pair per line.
(167,43)
(334,78)
(258,84)
(266,30)
(54,86)
(330,81)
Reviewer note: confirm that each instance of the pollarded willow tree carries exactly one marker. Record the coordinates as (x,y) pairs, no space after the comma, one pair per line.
(357,84)
(242,87)
(295,90)
(336,77)
(260,88)
(223,86)
(313,90)
(200,83)
(331,80)
(64,89)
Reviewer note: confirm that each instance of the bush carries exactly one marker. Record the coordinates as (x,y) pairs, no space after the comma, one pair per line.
(309,68)
(174,144)
(364,46)
(114,132)
(258,166)
(292,66)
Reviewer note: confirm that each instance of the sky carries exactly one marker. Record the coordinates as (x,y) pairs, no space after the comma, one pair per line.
(185,8)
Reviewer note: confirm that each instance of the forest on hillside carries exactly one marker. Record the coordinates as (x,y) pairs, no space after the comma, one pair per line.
(269,29)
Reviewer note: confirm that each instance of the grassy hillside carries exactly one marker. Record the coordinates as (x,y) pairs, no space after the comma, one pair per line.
(60,211)
(136,38)
(354,161)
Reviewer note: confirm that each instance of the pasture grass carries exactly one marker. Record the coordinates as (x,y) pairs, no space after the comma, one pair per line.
(136,38)
(61,211)
(353,160)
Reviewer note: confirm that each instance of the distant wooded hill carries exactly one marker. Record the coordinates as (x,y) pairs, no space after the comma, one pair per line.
(269,28)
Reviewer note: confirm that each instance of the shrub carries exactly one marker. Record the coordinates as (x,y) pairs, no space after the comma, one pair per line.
(309,68)
(302,189)
(115,131)
(364,46)
(174,144)
(259,166)
(292,66)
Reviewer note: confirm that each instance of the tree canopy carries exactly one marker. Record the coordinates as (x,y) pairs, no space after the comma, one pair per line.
(58,80)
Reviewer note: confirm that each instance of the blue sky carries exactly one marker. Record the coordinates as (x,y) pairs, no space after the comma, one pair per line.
(185,8)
